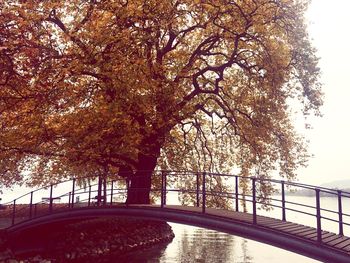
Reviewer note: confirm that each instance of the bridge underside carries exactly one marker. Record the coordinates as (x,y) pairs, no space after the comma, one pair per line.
(225,221)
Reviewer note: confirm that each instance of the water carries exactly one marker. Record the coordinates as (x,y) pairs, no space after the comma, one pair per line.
(193,244)
(197,245)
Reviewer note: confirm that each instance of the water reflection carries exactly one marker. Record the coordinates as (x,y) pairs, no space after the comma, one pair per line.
(201,245)
(244,245)
(196,245)
(193,244)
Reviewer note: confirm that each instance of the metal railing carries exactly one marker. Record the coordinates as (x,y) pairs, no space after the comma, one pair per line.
(201,190)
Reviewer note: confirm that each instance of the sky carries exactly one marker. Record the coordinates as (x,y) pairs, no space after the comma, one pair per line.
(328,26)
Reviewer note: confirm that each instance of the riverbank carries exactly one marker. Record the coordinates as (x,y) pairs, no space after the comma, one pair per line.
(93,240)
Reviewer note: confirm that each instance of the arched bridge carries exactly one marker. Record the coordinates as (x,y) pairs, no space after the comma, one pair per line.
(318,222)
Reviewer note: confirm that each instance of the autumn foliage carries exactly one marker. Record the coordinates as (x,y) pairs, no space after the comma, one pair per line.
(97,87)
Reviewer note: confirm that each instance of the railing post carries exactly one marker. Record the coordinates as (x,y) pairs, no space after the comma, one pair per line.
(13,212)
(340,211)
(69,199)
(104,191)
(197,189)
(236,193)
(73,189)
(162,191)
(35,210)
(99,191)
(31,205)
(165,183)
(318,215)
(127,181)
(89,200)
(254,200)
(51,199)
(283,203)
(203,193)
(112,192)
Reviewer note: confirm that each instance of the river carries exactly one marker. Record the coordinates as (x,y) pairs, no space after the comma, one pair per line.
(193,244)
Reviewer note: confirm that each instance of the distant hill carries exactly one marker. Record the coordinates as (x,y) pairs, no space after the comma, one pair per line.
(339,185)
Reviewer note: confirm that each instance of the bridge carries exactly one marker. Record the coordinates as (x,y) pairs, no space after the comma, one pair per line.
(318,225)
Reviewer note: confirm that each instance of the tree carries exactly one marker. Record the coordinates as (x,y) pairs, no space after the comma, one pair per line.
(101,86)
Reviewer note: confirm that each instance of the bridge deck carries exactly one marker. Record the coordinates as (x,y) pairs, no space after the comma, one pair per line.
(288,231)
(329,239)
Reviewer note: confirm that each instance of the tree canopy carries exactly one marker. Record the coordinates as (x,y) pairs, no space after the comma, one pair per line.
(89,87)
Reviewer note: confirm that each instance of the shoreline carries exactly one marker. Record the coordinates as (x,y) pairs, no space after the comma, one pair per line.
(93,240)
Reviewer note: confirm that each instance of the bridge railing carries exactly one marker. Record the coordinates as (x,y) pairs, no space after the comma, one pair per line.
(200,189)
(283,199)
(78,192)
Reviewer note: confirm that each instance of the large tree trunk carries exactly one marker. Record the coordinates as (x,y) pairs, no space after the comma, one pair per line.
(140,181)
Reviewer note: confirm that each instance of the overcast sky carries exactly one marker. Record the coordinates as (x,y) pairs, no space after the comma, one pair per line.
(329,27)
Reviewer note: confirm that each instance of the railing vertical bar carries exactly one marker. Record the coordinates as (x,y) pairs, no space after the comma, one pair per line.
(236,193)
(104,191)
(35,210)
(340,212)
(127,181)
(283,202)
(162,191)
(318,216)
(69,199)
(203,193)
(73,189)
(31,205)
(197,189)
(89,200)
(112,192)
(13,212)
(254,200)
(99,191)
(51,199)
(165,186)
